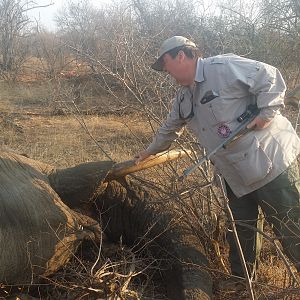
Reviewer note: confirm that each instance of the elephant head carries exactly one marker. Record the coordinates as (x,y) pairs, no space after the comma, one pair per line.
(38,218)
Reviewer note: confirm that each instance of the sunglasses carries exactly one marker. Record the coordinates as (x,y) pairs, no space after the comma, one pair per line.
(181,114)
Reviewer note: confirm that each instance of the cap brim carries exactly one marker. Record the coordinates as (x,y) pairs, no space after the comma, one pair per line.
(158,64)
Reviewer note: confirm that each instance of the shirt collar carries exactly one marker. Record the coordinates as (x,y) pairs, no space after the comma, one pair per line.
(199,77)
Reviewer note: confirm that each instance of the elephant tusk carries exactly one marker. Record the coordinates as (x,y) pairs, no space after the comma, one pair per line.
(128,167)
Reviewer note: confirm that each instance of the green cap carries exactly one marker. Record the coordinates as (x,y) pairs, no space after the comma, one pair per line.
(167,45)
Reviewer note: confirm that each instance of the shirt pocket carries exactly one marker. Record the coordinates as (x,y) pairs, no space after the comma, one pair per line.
(252,164)
(230,104)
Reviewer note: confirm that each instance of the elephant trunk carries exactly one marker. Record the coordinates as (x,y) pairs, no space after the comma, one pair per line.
(130,213)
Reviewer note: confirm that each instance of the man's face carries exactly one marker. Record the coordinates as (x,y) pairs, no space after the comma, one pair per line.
(176,67)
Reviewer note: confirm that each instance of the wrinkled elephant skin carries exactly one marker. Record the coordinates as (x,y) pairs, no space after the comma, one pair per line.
(41,230)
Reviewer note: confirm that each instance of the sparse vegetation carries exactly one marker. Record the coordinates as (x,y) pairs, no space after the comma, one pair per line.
(87,93)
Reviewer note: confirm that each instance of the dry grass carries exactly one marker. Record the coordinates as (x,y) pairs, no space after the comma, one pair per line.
(61,139)
(42,120)
(28,125)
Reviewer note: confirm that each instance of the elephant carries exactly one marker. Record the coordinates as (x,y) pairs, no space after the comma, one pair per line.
(46,212)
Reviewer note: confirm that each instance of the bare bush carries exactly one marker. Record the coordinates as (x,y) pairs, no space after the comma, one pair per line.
(14,33)
(115,46)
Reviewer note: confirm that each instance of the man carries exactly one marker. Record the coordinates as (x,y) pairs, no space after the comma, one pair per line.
(260,167)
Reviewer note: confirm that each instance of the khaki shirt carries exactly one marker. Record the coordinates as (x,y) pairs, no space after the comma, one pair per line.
(257,157)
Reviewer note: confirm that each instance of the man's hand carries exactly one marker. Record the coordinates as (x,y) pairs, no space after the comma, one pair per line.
(258,123)
(141,156)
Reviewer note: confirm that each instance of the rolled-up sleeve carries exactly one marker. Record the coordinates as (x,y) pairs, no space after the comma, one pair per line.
(168,132)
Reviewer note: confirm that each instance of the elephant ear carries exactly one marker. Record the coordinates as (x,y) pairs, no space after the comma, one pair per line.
(38,232)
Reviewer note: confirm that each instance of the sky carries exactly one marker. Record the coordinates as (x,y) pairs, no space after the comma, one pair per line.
(45,15)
